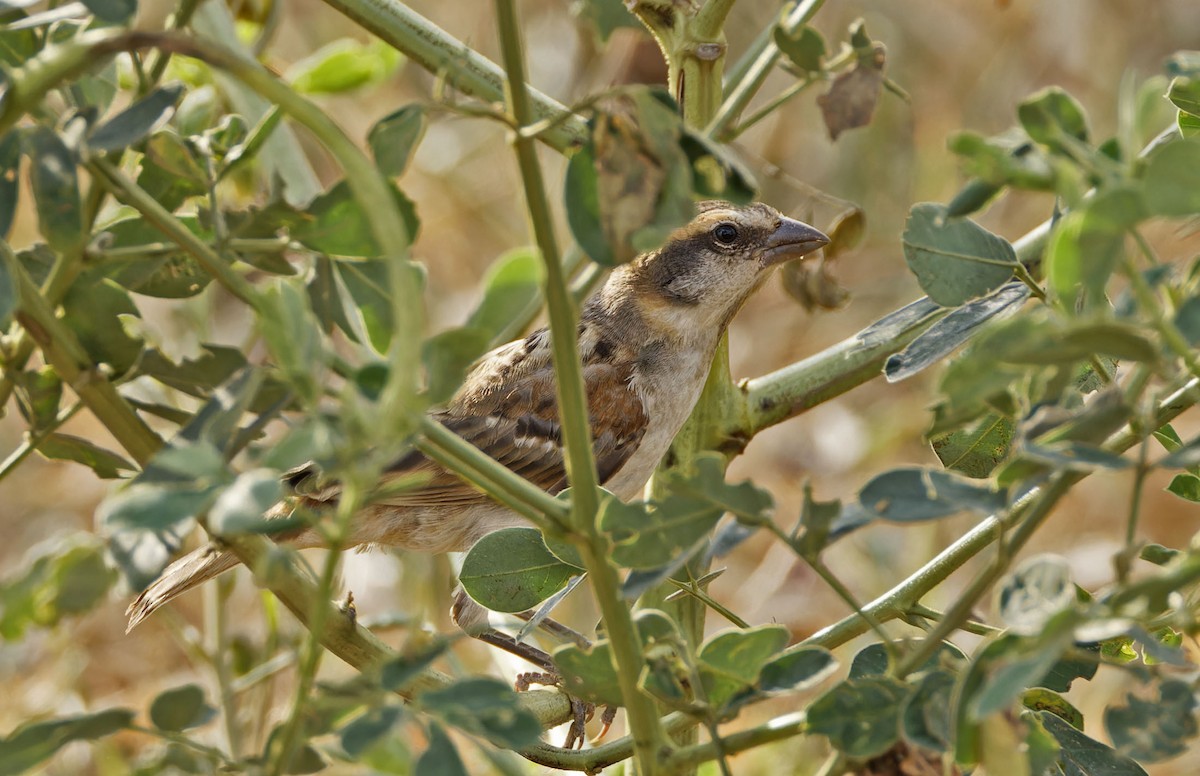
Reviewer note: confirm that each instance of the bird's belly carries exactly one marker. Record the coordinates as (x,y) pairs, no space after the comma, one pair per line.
(668,404)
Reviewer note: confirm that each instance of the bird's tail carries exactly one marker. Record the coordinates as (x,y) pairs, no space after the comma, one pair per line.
(181,576)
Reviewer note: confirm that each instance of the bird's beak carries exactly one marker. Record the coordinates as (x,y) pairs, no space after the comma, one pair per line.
(791,240)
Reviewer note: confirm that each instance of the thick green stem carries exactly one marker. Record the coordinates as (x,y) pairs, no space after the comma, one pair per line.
(444,56)
(752,78)
(572,401)
(63,352)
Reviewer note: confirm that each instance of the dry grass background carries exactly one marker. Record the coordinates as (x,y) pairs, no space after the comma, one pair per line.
(965,64)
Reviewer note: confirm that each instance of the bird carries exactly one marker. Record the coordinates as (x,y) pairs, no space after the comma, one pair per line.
(646,341)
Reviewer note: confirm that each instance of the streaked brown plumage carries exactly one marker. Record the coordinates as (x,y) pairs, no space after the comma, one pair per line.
(646,340)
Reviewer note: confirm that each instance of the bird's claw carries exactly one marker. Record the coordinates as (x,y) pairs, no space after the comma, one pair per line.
(581,711)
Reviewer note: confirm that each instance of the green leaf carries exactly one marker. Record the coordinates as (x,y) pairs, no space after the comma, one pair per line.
(1007,666)
(1186,486)
(607,16)
(154,507)
(730,661)
(1088,244)
(55,190)
(1052,343)
(195,376)
(447,357)
(955,260)
(511,570)
(1172,179)
(804,46)
(1152,731)
(92,308)
(67,576)
(631,184)
(861,717)
(716,174)
(947,334)
(1189,125)
(974,196)
(325,297)
(395,137)
(872,660)
(978,449)
(1051,115)
(511,287)
(35,742)
(1184,93)
(241,508)
(749,503)
(440,758)
(798,668)
(369,284)
(172,275)
(10,191)
(925,714)
(997,162)
(485,707)
(181,708)
(651,536)
(1083,756)
(367,730)
(137,121)
(344,65)
(65,447)
(112,11)
(39,396)
(915,494)
(1041,699)
(289,327)
(588,672)
(1036,591)
(398,673)
(336,224)
(1187,320)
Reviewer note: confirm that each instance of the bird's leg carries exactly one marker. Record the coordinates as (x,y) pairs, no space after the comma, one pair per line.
(473,619)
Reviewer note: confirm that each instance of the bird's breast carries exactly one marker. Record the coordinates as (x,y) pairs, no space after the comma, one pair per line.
(669,389)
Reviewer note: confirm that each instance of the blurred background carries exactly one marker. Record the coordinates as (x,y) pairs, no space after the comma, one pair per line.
(965,65)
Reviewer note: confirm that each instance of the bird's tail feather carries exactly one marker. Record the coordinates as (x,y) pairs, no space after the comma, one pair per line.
(181,576)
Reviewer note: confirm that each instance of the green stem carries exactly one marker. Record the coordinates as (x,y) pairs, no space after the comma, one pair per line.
(901,598)
(783,394)
(442,55)
(349,502)
(129,193)
(517,493)
(63,352)
(756,73)
(216,628)
(35,438)
(572,401)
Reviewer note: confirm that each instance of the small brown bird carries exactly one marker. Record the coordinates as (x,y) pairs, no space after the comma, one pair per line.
(646,340)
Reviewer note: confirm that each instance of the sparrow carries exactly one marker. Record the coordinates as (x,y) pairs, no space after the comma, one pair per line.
(646,341)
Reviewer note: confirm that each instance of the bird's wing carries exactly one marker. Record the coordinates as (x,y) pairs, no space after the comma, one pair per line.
(508,408)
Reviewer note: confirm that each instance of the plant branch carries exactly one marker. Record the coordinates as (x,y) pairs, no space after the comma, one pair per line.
(749,82)
(572,402)
(901,598)
(446,57)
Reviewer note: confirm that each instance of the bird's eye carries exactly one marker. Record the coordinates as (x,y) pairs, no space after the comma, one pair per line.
(726,234)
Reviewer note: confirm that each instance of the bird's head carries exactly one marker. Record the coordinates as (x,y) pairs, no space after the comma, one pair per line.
(706,269)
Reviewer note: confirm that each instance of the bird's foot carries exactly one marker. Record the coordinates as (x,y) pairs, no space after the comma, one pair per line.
(581,711)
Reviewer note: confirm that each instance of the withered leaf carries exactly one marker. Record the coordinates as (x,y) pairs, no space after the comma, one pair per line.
(850,101)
